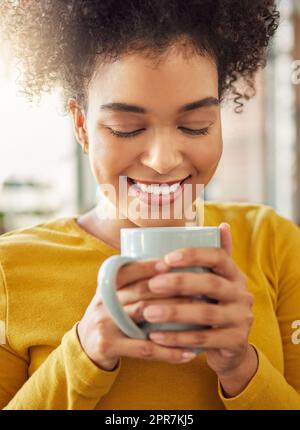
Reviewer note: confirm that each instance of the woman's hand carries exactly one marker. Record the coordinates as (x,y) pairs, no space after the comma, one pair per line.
(226,343)
(104,342)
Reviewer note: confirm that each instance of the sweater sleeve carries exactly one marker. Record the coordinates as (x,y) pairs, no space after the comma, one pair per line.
(269,389)
(67,379)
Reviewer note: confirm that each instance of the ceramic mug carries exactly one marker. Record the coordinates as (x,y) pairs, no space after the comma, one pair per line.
(145,243)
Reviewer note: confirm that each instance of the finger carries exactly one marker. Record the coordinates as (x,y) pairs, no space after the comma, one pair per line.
(195,313)
(132,272)
(214,338)
(193,284)
(136,310)
(216,259)
(139,291)
(148,350)
(226,240)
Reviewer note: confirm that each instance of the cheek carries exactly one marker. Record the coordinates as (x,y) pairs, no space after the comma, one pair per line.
(208,152)
(107,159)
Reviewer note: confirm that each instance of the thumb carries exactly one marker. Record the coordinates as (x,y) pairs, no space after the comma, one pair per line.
(226,353)
(226,240)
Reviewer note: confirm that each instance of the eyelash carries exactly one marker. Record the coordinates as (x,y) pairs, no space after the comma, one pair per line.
(200,132)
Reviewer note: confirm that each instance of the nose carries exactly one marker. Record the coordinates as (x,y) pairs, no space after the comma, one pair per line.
(163,153)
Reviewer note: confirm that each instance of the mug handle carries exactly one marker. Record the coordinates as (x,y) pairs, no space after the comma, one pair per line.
(107,286)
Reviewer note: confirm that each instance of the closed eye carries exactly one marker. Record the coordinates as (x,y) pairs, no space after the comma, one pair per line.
(193,132)
(197,132)
(123,134)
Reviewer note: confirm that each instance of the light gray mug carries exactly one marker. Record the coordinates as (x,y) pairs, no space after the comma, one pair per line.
(152,242)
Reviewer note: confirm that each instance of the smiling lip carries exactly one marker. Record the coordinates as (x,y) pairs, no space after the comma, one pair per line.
(158,182)
(149,198)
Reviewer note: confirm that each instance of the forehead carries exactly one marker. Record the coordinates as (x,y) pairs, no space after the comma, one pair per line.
(172,81)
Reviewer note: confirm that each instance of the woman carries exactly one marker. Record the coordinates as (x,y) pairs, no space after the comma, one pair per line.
(143,82)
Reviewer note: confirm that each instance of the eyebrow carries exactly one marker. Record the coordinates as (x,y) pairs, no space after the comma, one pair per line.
(124,107)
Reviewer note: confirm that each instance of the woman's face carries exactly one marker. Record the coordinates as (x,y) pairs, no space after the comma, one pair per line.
(138,125)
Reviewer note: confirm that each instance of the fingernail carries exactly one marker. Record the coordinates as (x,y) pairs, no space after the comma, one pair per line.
(161,266)
(157,336)
(186,356)
(226,353)
(158,283)
(175,256)
(153,312)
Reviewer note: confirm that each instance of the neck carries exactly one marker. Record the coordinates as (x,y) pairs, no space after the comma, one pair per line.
(103,223)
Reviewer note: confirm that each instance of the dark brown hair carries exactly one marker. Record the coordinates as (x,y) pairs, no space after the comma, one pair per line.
(56,42)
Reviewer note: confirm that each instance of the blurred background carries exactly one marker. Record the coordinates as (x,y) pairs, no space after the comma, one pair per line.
(43,173)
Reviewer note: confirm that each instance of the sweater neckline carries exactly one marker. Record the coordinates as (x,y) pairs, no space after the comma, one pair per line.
(100,244)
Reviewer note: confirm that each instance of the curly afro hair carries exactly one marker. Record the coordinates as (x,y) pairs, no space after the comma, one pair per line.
(58,43)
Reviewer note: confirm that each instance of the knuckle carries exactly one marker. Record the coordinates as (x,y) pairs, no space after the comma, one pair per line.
(172,312)
(249,319)
(176,280)
(200,338)
(146,350)
(249,299)
(214,281)
(208,314)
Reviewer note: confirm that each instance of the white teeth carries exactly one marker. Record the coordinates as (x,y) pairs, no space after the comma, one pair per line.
(165,190)
(142,186)
(158,189)
(174,187)
(155,190)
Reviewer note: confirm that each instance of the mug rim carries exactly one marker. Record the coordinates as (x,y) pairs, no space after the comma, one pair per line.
(174,228)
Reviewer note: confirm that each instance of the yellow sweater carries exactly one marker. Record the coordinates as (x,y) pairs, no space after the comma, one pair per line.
(48,276)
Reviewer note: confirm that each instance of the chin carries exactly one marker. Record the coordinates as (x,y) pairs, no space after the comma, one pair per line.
(160,222)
